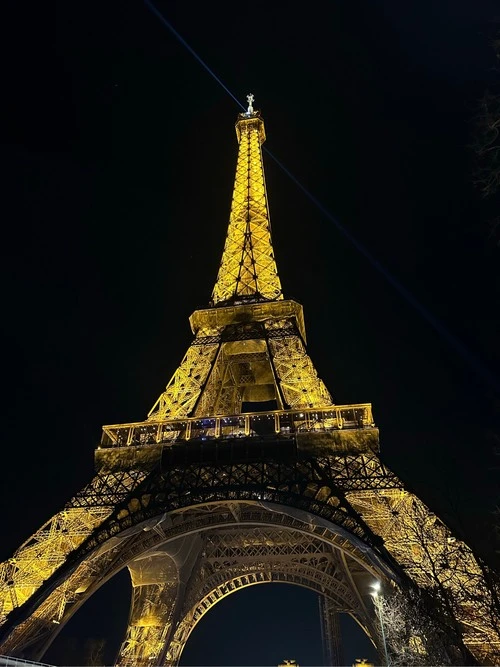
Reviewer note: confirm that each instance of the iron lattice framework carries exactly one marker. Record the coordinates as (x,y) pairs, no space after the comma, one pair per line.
(248,269)
(202,499)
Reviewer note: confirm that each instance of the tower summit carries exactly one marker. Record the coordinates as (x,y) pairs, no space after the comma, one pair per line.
(248,270)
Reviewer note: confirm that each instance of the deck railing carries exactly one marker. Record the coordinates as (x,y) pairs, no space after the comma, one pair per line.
(258,424)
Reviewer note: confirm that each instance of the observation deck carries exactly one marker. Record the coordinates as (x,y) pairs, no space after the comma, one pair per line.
(341,429)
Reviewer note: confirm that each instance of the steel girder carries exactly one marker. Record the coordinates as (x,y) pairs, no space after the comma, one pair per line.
(211,378)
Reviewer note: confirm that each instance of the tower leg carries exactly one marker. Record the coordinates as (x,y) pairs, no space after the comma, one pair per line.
(330,632)
(158,581)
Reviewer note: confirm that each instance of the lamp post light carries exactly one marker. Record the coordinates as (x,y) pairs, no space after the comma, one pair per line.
(376,595)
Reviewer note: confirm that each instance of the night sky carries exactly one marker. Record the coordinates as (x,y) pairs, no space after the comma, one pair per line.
(117,174)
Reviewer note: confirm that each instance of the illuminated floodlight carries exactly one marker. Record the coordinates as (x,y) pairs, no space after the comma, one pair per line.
(377,603)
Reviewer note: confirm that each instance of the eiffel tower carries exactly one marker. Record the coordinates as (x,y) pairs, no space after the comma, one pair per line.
(244,472)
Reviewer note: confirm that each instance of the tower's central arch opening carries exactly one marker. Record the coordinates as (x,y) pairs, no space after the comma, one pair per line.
(263,624)
(243,555)
(185,562)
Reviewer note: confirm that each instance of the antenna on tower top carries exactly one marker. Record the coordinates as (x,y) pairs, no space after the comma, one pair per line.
(250,99)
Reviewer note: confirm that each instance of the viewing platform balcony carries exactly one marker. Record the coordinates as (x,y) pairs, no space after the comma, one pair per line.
(276,423)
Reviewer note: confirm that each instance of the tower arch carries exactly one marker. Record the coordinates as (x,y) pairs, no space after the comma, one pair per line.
(158,545)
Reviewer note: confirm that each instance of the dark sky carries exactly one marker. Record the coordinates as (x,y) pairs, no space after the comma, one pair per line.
(117,174)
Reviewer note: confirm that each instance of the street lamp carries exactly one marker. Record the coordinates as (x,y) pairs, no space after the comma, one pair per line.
(377,602)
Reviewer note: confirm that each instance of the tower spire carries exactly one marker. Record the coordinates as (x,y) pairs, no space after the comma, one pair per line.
(248,269)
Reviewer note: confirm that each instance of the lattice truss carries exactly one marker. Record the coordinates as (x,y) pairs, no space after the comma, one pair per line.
(48,548)
(299,381)
(214,378)
(248,268)
(233,372)
(436,561)
(413,536)
(183,390)
(211,380)
(76,585)
(80,522)
(228,555)
(156,594)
